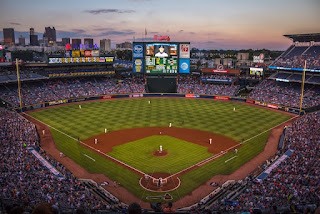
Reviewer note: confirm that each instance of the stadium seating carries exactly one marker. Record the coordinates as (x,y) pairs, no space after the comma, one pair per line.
(292,187)
(57,89)
(295,57)
(25,180)
(194,85)
(286,94)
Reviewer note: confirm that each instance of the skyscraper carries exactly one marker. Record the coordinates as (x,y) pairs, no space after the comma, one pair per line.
(8,35)
(88,43)
(33,38)
(105,45)
(31,31)
(22,41)
(50,35)
(76,44)
(65,41)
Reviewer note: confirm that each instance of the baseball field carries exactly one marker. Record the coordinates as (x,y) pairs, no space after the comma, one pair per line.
(129,131)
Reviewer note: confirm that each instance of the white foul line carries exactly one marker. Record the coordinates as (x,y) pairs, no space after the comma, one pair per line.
(89,157)
(269,129)
(197,164)
(98,151)
(230,159)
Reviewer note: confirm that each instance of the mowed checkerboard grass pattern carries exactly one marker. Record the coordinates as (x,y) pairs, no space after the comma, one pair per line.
(207,115)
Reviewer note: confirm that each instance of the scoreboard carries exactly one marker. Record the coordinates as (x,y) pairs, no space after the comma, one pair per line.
(157,58)
(161,65)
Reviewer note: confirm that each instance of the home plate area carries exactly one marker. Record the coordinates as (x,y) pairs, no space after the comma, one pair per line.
(159,182)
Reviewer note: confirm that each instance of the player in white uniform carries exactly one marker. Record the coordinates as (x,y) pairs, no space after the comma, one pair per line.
(161,52)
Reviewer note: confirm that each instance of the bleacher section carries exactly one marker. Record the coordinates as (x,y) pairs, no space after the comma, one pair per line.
(306,47)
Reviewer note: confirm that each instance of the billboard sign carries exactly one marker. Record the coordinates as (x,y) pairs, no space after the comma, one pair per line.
(137,65)
(138,50)
(259,59)
(185,51)
(184,66)
(256,71)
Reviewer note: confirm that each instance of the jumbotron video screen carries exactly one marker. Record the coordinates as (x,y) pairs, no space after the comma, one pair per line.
(161,57)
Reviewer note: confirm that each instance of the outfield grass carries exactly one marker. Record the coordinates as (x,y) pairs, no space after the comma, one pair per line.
(206,115)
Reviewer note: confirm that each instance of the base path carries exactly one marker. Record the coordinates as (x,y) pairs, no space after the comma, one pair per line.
(47,143)
(108,140)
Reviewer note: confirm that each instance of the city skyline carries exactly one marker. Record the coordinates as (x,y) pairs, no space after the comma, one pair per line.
(206,24)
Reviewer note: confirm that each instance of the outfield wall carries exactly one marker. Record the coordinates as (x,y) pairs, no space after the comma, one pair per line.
(153,95)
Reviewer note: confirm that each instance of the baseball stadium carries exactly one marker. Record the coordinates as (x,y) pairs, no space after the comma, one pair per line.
(78,131)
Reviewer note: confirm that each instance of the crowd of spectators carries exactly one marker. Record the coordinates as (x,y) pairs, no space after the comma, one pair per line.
(26,180)
(294,185)
(194,85)
(58,89)
(296,58)
(287,94)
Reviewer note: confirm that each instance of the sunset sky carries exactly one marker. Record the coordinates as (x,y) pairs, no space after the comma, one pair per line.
(207,24)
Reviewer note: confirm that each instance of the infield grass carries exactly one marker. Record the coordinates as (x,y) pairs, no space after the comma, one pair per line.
(181,154)
(206,115)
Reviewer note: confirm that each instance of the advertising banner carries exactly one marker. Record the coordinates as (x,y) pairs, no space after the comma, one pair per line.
(249,101)
(57,102)
(95,52)
(137,65)
(135,95)
(256,71)
(105,97)
(259,103)
(137,51)
(76,53)
(216,80)
(184,65)
(88,53)
(211,70)
(192,96)
(259,59)
(184,51)
(221,98)
(272,106)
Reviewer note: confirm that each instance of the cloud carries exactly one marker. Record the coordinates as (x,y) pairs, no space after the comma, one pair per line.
(14,23)
(73,33)
(103,29)
(98,11)
(117,33)
(80,31)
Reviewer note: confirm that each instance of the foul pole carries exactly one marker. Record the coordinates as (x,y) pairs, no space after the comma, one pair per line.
(302,85)
(19,84)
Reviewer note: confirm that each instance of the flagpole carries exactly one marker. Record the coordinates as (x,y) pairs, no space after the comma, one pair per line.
(302,85)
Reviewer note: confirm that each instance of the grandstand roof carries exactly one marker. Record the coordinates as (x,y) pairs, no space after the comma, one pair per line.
(304,37)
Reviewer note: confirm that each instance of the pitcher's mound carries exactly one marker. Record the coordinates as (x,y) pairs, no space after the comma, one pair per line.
(160,154)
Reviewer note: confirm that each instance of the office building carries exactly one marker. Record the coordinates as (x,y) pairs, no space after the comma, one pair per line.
(8,36)
(22,41)
(50,35)
(76,44)
(65,41)
(105,45)
(88,43)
